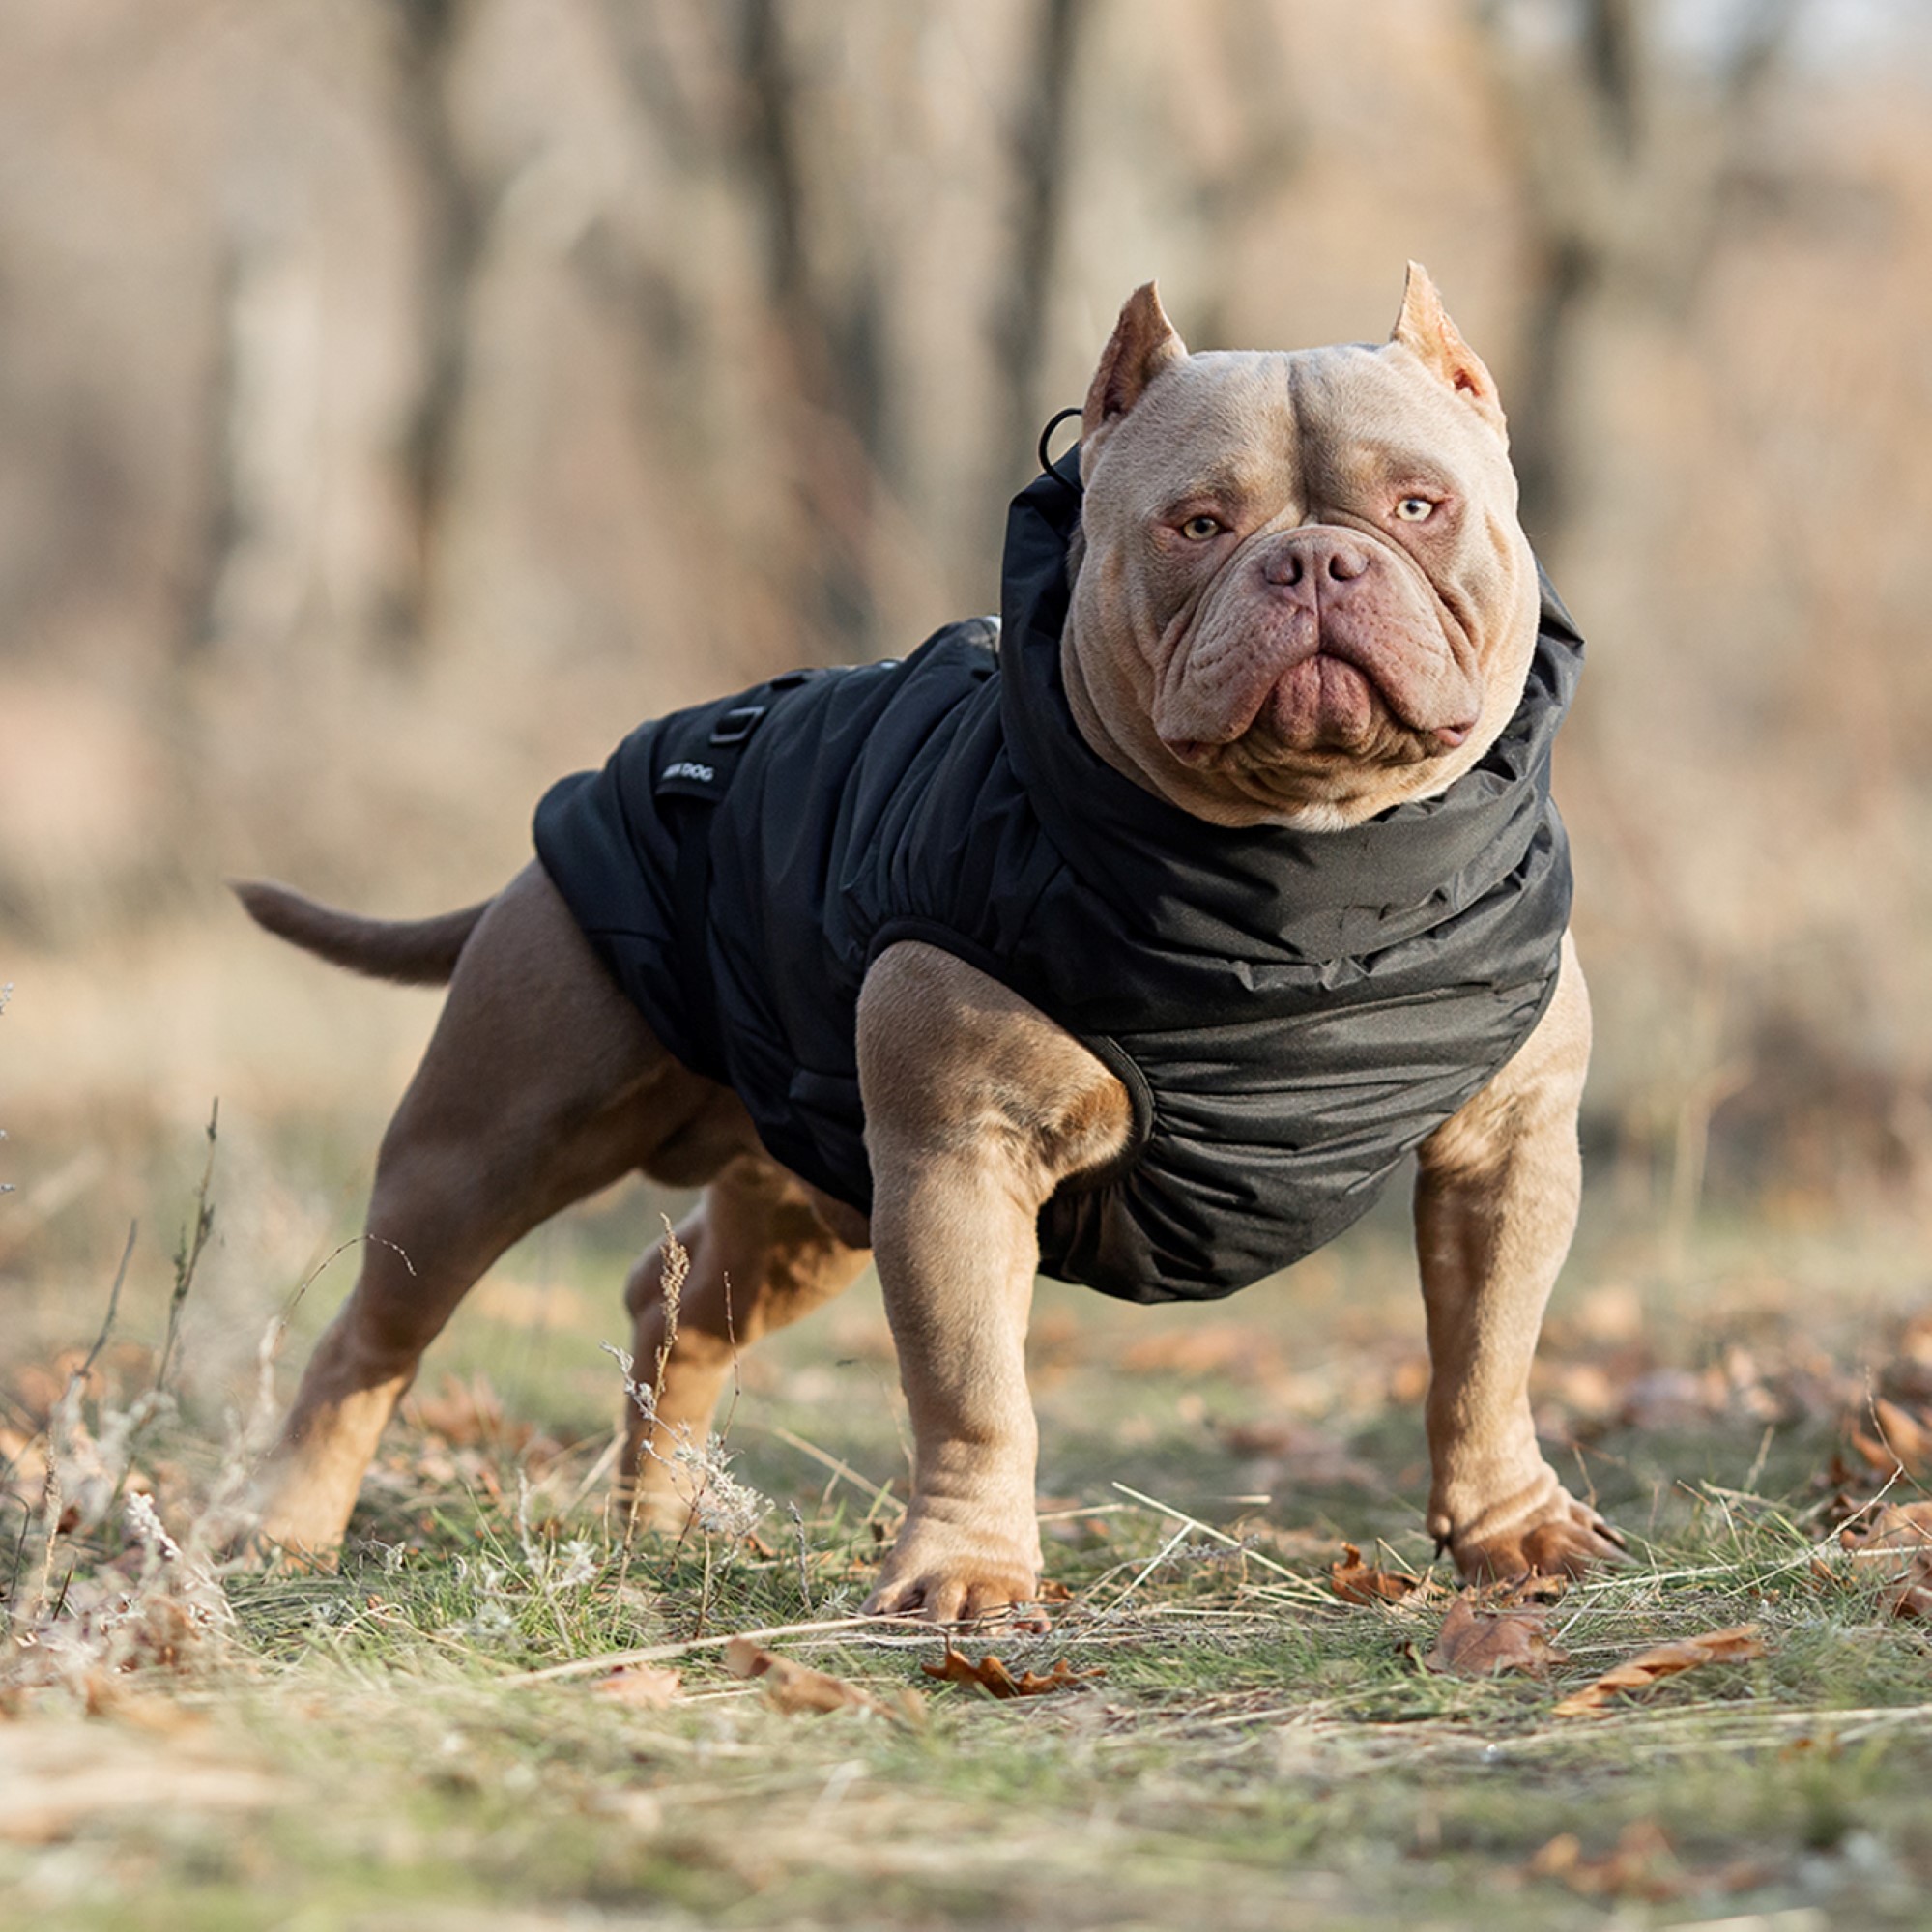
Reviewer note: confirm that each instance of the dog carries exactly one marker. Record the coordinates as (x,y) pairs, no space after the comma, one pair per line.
(1134,939)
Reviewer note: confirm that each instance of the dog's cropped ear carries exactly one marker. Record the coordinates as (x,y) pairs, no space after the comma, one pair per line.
(1142,344)
(1425,329)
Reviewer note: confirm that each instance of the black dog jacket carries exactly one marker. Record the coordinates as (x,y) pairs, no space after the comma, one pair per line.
(1291,1012)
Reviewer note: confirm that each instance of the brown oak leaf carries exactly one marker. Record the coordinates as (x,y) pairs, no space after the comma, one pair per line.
(793,1687)
(1900,1534)
(1357,1582)
(997,1681)
(1647,1667)
(642,1685)
(1479,1642)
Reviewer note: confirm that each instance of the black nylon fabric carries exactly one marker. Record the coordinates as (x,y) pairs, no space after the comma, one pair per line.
(1291,1012)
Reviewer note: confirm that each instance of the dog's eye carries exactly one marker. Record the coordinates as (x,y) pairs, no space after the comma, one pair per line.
(1200,529)
(1414,509)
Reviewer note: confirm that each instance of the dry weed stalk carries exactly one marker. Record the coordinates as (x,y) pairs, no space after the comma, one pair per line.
(720,1503)
(134,1593)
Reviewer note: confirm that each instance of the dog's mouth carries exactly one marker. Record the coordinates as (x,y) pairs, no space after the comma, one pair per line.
(1327,702)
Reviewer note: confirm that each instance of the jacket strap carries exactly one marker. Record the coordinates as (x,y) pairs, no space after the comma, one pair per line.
(697,767)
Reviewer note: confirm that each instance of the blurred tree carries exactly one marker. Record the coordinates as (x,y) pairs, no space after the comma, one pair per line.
(826,334)
(1629,156)
(1038,142)
(721,88)
(254,571)
(455,215)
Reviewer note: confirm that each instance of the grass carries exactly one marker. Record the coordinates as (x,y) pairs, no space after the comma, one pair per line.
(375,1748)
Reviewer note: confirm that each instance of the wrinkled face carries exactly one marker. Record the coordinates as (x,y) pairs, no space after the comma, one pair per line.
(1304,593)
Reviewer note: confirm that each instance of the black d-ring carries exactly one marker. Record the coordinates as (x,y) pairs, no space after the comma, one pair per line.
(1047,434)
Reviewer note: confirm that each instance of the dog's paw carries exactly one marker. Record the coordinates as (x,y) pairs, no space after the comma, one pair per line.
(246,1550)
(946,1576)
(1560,1537)
(290,1527)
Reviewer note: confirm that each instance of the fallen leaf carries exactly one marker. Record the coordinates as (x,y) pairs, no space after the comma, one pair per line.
(1903,1440)
(1357,1582)
(1825,1746)
(642,1685)
(1896,1526)
(793,1687)
(1647,1667)
(1907,1433)
(997,1681)
(1912,1595)
(1898,1531)
(110,1694)
(1841,1506)
(1644,1864)
(1515,1593)
(1479,1642)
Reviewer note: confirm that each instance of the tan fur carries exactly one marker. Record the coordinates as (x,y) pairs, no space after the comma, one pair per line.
(1172,643)
(1003,1107)
(978,1105)
(1496,1197)
(1425,329)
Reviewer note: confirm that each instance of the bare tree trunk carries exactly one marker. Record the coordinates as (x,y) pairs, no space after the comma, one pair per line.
(828,350)
(222,512)
(256,576)
(1040,150)
(456,222)
(1618,199)
(1566,272)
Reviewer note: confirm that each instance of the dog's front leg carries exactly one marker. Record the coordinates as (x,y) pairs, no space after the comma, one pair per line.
(977,1106)
(1495,1206)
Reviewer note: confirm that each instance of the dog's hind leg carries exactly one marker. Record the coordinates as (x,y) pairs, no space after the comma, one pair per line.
(762,1253)
(541,1084)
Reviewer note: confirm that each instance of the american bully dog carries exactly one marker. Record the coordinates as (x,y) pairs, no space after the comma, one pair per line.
(1134,939)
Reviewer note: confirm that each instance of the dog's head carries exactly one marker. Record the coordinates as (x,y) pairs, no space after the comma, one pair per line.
(1302,592)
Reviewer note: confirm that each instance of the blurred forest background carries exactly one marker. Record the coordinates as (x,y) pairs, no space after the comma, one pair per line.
(398,398)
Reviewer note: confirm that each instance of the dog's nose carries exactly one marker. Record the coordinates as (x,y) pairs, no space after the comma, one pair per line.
(1307,557)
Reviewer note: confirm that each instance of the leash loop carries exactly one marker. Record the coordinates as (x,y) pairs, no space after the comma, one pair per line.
(1047,436)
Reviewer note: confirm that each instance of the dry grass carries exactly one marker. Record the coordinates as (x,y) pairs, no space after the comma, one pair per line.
(438,1729)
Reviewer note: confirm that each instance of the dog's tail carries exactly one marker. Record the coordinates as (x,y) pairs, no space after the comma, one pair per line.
(412,951)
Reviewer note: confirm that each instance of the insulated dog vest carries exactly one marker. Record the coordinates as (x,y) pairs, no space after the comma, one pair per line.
(1290,1012)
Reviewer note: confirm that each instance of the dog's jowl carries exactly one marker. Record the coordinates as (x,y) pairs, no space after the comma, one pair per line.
(1134,938)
